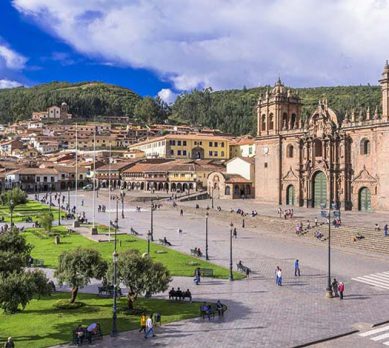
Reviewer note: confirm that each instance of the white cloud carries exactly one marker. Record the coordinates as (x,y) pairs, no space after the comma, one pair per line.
(167,95)
(227,43)
(11,59)
(9,84)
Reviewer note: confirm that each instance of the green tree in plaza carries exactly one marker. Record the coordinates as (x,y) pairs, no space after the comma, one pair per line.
(46,220)
(77,267)
(18,286)
(140,275)
(14,252)
(17,195)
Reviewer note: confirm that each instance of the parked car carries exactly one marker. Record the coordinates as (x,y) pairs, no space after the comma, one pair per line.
(88,187)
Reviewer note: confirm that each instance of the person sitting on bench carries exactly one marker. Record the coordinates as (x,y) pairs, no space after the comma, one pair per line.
(188,294)
(172,293)
(199,253)
(165,241)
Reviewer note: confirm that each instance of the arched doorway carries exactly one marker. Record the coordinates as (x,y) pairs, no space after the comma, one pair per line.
(319,190)
(290,195)
(197,153)
(364,199)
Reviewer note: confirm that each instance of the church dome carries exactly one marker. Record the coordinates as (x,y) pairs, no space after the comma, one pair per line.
(279,88)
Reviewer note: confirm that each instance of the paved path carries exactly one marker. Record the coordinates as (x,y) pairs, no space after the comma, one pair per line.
(260,313)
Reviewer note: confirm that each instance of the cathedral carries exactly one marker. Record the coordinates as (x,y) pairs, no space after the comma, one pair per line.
(320,160)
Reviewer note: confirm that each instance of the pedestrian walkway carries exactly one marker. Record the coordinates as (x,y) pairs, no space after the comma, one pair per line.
(378,335)
(379,280)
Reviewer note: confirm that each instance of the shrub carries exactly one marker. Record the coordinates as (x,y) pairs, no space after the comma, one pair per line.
(66,304)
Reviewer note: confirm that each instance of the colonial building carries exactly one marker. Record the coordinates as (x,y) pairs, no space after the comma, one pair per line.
(322,159)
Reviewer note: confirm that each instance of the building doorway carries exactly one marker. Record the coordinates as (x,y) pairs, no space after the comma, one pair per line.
(290,195)
(364,199)
(319,190)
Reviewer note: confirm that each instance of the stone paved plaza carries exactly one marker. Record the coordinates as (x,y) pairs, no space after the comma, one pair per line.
(260,314)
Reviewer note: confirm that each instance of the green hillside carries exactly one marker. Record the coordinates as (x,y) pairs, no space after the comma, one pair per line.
(233,111)
(86,99)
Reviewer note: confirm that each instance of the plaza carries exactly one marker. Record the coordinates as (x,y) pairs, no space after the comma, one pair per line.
(259,313)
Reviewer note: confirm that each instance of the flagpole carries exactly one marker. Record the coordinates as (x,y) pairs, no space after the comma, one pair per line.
(76,192)
(94,229)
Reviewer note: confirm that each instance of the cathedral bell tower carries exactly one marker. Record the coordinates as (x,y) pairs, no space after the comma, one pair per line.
(278,110)
(384,82)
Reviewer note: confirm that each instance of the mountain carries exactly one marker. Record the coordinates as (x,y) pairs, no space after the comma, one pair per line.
(233,111)
(85,99)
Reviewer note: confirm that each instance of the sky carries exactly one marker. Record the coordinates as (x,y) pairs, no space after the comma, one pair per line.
(165,47)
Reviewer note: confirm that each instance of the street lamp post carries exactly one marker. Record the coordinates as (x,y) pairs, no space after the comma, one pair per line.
(329,293)
(122,194)
(50,203)
(68,198)
(114,308)
(59,209)
(231,228)
(206,236)
(212,196)
(152,221)
(148,242)
(11,208)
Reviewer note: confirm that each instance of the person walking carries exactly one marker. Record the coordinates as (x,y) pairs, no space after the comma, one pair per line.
(341,290)
(149,327)
(197,275)
(316,222)
(386,230)
(279,277)
(10,343)
(142,320)
(297,268)
(235,233)
(334,286)
(181,212)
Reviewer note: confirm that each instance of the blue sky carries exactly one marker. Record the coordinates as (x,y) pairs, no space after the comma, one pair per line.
(167,46)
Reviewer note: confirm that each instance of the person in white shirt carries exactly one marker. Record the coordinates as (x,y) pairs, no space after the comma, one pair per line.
(149,327)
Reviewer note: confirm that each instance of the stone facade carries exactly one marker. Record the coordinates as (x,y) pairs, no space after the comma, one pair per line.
(320,160)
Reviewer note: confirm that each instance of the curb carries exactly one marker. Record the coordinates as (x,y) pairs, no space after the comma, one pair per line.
(326,339)
(381,323)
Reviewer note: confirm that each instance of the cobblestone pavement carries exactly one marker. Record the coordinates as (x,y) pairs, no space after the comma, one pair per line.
(260,314)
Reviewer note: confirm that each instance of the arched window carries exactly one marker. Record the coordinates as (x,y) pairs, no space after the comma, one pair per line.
(293,122)
(271,122)
(289,151)
(263,122)
(365,147)
(227,191)
(318,148)
(285,121)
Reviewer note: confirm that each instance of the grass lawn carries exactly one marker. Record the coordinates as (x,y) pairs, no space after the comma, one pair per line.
(42,325)
(178,263)
(32,209)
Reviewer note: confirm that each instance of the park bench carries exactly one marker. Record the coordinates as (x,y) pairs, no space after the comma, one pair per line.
(212,310)
(163,242)
(194,252)
(132,231)
(243,268)
(206,272)
(108,291)
(88,336)
(37,263)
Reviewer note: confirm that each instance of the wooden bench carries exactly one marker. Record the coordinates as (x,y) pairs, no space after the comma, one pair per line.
(38,263)
(163,242)
(108,290)
(194,252)
(206,272)
(243,268)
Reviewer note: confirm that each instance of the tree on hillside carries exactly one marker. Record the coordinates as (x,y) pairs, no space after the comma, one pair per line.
(141,275)
(147,110)
(77,267)
(18,286)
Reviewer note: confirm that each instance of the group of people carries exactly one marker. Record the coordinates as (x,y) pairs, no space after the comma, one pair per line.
(198,252)
(86,333)
(337,289)
(101,208)
(386,229)
(207,311)
(147,324)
